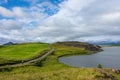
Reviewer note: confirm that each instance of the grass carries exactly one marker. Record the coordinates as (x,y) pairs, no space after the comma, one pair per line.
(20,52)
(61,74)
(51,69)
(116,45)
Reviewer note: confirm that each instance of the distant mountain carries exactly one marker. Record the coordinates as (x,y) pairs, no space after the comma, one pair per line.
(9,43)
(105,42)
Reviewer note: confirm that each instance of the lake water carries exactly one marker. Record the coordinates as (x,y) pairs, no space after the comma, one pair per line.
(109,58)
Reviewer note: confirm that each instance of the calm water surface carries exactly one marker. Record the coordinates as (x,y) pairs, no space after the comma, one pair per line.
(109,58)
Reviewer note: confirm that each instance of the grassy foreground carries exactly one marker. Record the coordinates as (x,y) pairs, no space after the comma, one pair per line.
(51,69)
(19,52)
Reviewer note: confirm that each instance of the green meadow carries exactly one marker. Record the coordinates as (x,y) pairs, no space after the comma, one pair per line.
(51,69)
(19,52)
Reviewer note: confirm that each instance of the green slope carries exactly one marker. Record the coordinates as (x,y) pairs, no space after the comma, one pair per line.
(19,52)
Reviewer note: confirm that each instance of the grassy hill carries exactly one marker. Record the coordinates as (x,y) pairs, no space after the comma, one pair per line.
(20,52)
(50,68)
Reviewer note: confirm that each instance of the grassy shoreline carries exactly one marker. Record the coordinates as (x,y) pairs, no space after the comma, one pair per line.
(51,69)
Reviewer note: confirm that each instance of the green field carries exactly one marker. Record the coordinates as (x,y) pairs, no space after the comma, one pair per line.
(51,69)
(19,52)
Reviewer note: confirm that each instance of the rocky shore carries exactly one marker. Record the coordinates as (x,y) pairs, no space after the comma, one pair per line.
(86,46)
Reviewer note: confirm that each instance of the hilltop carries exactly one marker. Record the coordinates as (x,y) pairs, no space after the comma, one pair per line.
(84,45)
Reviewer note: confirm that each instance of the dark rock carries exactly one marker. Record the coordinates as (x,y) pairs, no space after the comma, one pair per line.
(117,71)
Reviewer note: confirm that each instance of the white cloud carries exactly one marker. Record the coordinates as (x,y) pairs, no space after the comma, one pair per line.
(5,12)
(18,17)
(114,16)
(83,20)
(75,22)
(11,24)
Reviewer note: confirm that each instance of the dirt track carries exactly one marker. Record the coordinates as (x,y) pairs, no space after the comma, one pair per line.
(29,62)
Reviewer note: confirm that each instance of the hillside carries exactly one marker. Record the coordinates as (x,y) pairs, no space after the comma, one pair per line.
(51,69)
(86,46)
(11,54)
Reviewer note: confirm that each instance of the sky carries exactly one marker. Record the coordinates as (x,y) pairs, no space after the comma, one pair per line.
(59,20)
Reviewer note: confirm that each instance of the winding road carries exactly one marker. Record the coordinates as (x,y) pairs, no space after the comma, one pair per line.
(29,62)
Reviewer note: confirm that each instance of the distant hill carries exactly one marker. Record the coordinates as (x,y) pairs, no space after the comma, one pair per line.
(9,43)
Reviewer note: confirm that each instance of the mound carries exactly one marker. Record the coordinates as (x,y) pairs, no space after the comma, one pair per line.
(84,45)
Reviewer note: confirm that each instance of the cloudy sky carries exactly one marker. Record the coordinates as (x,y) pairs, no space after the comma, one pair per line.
(59,20)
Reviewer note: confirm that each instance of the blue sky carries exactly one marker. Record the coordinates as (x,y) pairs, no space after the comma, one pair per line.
(59,20)
(9,4)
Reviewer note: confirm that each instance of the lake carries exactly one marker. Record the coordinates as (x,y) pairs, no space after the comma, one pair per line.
(109,58)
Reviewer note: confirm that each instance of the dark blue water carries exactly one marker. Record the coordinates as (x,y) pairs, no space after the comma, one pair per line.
(109,58)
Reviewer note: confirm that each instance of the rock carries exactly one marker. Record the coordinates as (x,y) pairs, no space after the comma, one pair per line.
(117,71)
